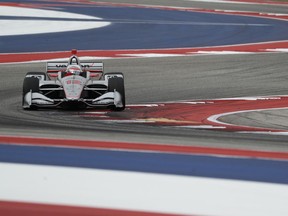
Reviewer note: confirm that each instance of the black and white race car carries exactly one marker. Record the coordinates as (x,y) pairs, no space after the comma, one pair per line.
(74,84)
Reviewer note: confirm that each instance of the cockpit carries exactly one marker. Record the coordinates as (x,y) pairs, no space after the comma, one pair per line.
(73,70)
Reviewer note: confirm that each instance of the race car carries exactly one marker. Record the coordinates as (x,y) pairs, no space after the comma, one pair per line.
(74,84)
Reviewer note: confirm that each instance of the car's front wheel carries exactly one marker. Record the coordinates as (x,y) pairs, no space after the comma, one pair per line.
(117,84)
(30,84)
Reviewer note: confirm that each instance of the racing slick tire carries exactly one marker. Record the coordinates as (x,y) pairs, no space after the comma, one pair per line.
(30,84)
(117,83)
(39,75)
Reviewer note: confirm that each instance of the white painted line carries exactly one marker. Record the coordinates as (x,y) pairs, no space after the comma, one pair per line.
(202,127)
(20,27)
(24,27)
(278,50)
(127,121)
(40,13)
(140,191)
(152,55)
(145,105)
(195,102)
(265,132)
(253,98)
(215,118)
(161,22)
(221,52)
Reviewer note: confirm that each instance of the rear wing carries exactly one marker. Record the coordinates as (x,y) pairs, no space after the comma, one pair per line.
(92,67)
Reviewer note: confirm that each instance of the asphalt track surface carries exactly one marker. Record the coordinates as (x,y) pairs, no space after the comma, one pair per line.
(151,80)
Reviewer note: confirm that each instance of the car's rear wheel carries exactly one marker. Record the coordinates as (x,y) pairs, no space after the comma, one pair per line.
(117,84)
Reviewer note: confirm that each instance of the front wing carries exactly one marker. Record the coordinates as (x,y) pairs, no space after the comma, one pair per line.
(36,99)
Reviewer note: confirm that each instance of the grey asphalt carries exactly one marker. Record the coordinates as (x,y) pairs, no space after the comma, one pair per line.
(151,80)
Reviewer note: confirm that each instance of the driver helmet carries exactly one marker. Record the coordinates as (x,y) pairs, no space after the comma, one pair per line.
(74,70)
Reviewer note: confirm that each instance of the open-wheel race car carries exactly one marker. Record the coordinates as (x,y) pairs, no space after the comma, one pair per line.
(74,84)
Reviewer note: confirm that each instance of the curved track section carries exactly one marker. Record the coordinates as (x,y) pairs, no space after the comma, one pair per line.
(91,163)
(205,77)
